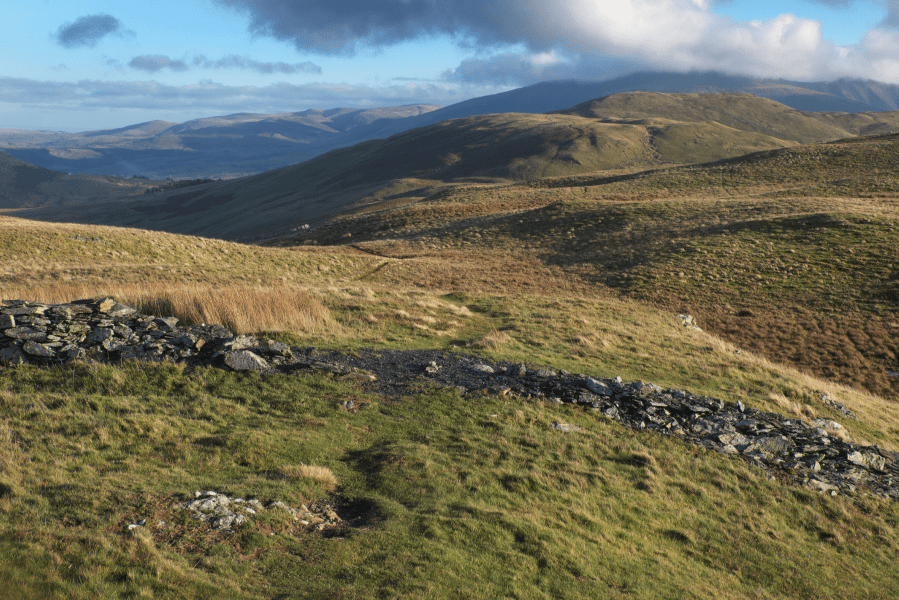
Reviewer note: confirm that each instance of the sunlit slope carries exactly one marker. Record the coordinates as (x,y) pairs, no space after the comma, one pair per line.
(744,112)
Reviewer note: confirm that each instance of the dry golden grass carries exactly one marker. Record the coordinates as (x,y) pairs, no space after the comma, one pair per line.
(492,340)
(321,475)
(242,309)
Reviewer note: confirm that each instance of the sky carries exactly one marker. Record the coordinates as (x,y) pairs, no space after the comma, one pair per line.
(76,65)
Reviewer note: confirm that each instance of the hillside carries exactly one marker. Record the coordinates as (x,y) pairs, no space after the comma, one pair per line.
(23,185)
(383,458)
(791,253)
(487,150)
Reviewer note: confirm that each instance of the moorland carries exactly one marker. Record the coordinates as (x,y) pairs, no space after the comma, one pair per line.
(569,240)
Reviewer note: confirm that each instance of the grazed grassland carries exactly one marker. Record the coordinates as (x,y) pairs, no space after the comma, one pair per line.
(454,496)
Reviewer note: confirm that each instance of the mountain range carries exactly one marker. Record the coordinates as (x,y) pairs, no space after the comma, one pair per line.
(614,135)
(243,144)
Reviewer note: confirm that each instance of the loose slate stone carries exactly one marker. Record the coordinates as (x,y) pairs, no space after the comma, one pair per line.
(12,356)
(597,387)
(483,369)
(166,323)
(35,349)
(7,321)
(769,446)
(869,460)
(566,428)
(99,335)
(244,360)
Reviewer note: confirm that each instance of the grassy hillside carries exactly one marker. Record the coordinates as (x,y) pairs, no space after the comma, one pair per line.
(744,112)
(791,253)
(446,496)
(662,130)
(788,258)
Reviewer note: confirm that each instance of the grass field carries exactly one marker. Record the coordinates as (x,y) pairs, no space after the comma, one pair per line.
(787,259)
(447,496)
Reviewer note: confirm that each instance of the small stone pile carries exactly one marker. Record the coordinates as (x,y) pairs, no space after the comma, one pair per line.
(224,513)
(104,330)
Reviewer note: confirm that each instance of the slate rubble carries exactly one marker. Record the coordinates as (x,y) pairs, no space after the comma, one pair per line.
(102,329)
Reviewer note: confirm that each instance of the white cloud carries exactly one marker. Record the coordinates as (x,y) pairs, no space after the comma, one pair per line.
(667,34)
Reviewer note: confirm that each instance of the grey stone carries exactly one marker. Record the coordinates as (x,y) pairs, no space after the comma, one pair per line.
(566,428)
(518,370)
(26,333)
(35,349)
(483,369)
(12,356)
(166,323)
(868,460)
(241,342)
(689,322)
(99,335)
(768,446)
(244,360)
(598,387)
(7,321)
(734,439)
(821,486)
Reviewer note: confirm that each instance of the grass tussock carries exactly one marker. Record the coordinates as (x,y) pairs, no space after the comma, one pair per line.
(322,475)
(492,340)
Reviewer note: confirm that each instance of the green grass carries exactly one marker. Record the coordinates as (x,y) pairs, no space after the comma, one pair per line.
(469,498)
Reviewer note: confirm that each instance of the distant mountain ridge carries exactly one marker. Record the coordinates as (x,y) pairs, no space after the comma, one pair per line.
(223,146)
(242,144)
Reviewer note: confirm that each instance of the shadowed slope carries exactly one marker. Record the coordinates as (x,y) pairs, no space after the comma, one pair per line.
(23,185)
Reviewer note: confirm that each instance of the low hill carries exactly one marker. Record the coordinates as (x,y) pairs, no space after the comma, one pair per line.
(744,112)
(23,185)
(488,150)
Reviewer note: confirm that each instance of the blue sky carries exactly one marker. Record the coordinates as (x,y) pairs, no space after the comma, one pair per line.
(90,64)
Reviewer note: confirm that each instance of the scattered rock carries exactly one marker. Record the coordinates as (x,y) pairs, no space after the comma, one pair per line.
(689,322)
(243,360)
(566,428)
(101,329)
(224,513)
